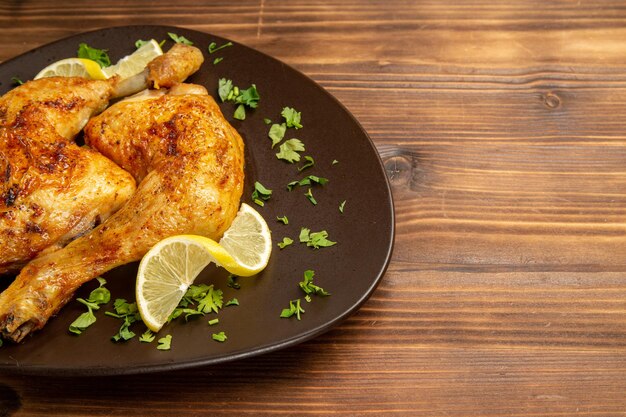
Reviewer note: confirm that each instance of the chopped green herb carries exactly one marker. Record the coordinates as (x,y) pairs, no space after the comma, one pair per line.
(82,322)
(240,112)
(341,206)
(309,196)
(288,151)
(260,194)
(286,242)
(219,337)
(283,220)
(309,163)
(292,117)
(212,301)
(307,298)
(335,162)
(304,235)
(295,309)
(267,121)
(277,133)
(309,288)
(179,39)
(125,333)
(127,312)
(16,81)
(250,97)
(229,92)
(96,298)
(232,282)
(233,302)
(315,240)
(217,60)
(123,308)
(224,88)
(98,55)
(147,336)
(213,46)
(308,180)
(213,322)
(165,343)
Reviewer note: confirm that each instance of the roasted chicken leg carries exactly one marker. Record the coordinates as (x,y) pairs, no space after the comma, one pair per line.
(188,162)
(52,190)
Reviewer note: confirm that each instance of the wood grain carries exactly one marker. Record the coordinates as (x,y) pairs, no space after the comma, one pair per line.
(501,125)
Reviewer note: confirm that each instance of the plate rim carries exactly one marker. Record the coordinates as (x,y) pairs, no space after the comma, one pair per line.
(108,370)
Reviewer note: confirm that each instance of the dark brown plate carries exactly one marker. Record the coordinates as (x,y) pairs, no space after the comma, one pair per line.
(350,270)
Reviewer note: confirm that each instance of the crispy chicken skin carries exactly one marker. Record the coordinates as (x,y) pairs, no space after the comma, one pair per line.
(188,162)
(52,190)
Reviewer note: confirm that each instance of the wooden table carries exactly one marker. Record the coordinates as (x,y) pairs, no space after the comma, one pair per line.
(502,126)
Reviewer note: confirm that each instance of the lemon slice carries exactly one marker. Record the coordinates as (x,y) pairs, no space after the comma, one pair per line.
(134,63)
(171,266)
(73,67)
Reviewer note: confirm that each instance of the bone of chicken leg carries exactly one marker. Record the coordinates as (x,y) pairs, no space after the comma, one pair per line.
(188,162)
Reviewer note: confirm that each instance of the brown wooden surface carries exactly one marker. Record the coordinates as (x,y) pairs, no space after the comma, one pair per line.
(503,127)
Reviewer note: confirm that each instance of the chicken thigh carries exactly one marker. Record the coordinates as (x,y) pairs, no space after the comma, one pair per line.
(188,161)
(51,189)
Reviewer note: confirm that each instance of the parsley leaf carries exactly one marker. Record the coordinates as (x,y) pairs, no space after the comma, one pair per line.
(96,298)
(286,242)
(179,39)
(213,46)
(231,93)
(129,313)
(98,55)
(212,301)
(292,117)
(288,151)
(250,97)
(309,163)
(277,133)
(233,302)
(310,197)
(232,282)
(82,322)
(267,121)
(309,288)
(217,60)
(315,240)
(147,336)
(283,220)
(308,180)
(295,309)
(213,322)
(219,337)
(341,206)
(165,343)
(224,88)
(240,112)
(260,194)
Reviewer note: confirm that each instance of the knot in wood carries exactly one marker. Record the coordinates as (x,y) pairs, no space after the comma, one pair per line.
(551,100)
(398,168)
